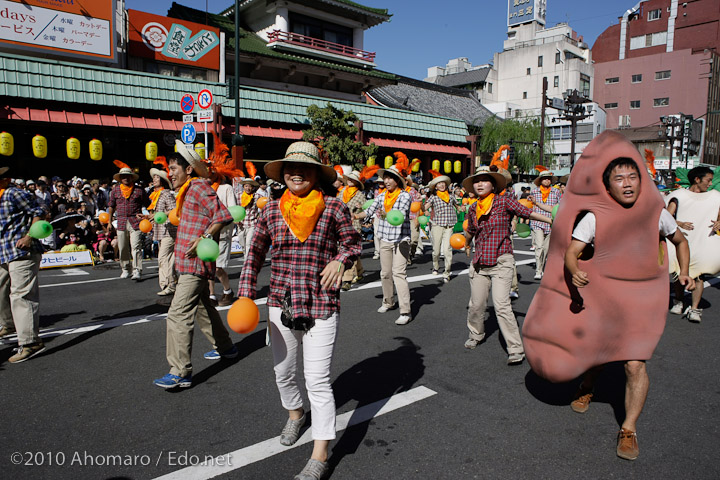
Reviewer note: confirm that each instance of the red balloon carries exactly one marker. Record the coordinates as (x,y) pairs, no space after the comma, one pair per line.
(145,225)
(457,241)
(243,316)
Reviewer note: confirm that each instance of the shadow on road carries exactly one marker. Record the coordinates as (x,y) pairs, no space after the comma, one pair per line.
(246,346)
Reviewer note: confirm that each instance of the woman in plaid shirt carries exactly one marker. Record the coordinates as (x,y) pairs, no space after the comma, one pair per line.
(313,242)
(489,223)
(163,200)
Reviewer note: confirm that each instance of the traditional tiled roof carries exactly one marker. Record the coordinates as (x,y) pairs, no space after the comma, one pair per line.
(464,78)
(376,11)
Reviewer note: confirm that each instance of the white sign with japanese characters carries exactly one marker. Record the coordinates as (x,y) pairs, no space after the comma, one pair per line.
(67,259)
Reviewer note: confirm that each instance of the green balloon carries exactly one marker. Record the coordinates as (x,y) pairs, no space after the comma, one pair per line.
(367,204)
(208,250)
(522,230)
(554,211)
(395,217)
(423,220)
(238,213)
(40,230)
(160,218)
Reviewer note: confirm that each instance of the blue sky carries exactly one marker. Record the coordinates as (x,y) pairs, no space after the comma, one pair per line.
(426,33)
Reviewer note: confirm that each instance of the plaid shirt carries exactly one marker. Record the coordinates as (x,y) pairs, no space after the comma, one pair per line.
(201,209)
(355,206)
(127,208)
(442,214)
(492,233)
(251,211)
(387,232)
(296,265)
(165,203)
(17,209)
(553,200)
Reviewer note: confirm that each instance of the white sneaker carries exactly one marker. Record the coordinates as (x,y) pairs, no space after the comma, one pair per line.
(125,274)
(136,275)
(694,314)
(514,295)
(384,308)
(403,320)
(376,256)
(677,308)
(538,276)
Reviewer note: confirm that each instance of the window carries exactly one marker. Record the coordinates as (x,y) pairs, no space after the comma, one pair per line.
(585,85)
(563,132)
(661,102)
(489,87)
(315,28)
(540,60)
(634,104)
(664,75)
(610,106)
(649,40)
(556,81)
(528,71)
(612,80)
(524,95)
(637,78)
(557,58)
(654,14)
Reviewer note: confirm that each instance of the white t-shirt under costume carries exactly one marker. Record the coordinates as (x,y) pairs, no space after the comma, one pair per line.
(585,229)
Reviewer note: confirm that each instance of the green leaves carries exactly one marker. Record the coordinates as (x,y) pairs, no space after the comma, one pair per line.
(523,132)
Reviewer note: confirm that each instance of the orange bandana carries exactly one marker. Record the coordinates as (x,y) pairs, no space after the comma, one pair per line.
(381,191)
(483,205)
(348,193)
(154,196)
(215,186)
(1,192)
(390,199)
(471,201)
(341,190)
(245,199)
(126,191)
(444,196)
(302,213)
(181,196)
(545,191)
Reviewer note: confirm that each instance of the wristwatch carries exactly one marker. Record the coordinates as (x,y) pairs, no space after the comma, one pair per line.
(206,235)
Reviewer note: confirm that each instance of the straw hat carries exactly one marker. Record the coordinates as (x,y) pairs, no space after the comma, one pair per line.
(300,152)
(564,179)
(506,174)
(499,178)
(3,170)
(354,177)
(249,181)
(436,180)
(160,173)
(394,172)
(193,158)
(126,171)
(545,174)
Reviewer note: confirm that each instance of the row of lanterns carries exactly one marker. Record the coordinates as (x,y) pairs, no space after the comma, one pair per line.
(448,165)
(151,150)
(40,147)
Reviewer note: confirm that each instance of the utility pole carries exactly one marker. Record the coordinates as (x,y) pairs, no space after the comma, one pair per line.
(574,112)
(541,142)
(237,139)
(671,123)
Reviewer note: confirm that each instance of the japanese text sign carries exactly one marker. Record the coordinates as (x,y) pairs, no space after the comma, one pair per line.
(524,11)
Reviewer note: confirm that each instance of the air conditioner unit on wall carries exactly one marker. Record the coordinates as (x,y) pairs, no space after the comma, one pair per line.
(624,121)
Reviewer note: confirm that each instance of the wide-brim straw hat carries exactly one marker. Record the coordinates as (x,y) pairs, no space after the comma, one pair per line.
(499,178)
(395,173)
(354,177)
(126,171)
(564,179)
(3,170)
(442,178)
(193,158)
(300,152)
(249,181)
(160,173)
(545,174)
(506,174)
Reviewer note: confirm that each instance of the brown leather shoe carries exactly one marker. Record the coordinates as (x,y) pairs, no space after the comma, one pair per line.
(225,300)
(582,400)
(627,446)
(6,331)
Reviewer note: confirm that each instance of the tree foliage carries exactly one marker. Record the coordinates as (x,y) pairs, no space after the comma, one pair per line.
(334,131)
(524,133)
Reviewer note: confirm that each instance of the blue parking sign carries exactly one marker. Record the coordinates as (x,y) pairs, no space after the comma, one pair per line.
(188,133)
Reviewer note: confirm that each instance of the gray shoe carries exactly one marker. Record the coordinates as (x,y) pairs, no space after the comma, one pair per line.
(515,358)
(6,331)
(471,343)
(291,431)
(314,470)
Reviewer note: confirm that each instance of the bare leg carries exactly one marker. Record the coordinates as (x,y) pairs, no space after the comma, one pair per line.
(697,293)
(102,246)
(320,450)
(222,275)
(636,390)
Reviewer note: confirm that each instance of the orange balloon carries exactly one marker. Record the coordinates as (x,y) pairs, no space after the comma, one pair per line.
(525,203)
(173,218)
(465,201)
(104,217)
(465,225)
(145,225)
(243,316)
(457,241)
(262,201)
(415,207)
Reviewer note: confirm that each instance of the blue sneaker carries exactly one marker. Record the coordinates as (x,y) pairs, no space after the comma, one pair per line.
(172,381)
(231,352)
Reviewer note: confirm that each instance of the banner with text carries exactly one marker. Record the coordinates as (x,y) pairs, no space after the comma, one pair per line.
(68,259)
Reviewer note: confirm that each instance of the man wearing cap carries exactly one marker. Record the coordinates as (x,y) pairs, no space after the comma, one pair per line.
(354,199)
(127,200)
(162,200)
(548,197)
(248,200)
(442,208)
(394,242)
(201,216)
(19,265)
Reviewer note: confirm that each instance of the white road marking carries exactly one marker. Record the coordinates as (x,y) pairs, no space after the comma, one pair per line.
(268,448)
(78,283)
(74,271)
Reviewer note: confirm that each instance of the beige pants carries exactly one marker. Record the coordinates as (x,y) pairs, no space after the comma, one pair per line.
(415,239)
(130,242)
(499,278)
(166,264)
(541,242)
(441,243)
(245,237)
(355,271)
(191,304)
(376,239)
(393,265)
(20,297)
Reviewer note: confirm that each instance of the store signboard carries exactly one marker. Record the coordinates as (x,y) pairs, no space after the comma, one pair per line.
(525,11)
(65,27)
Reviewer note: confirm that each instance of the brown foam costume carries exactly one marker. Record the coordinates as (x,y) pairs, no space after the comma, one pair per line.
(620,314)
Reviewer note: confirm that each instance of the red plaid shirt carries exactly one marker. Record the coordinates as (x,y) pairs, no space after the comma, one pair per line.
(442,214)
(127,208)
(553,199)
(492,233)
(296,265)
(414,197)
(165,203)
(200,209)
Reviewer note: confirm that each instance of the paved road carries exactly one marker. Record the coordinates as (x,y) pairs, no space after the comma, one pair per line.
(412,402)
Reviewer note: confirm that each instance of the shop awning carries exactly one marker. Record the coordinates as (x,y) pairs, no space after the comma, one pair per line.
(420,147)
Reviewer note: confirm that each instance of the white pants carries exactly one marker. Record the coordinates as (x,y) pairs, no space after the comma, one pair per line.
(318,345)
(130,244)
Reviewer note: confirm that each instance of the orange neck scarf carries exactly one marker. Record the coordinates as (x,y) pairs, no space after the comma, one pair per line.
(381,191)
(215,186)
(348,193)
(472,201)
(2,190)
(341,190)
(245,199)
(390,199)
(154,196)
(302,213)
(483,205)
(182,191)
(126,191)
(545,191)
(444,196)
